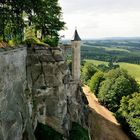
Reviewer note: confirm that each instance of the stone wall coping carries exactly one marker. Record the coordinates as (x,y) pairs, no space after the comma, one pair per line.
(44,48)
(12,49)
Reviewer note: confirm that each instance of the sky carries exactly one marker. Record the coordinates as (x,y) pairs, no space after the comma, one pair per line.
(101,18)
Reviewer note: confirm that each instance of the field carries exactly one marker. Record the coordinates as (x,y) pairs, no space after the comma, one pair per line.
(115,49)
(112,50)
(133,69)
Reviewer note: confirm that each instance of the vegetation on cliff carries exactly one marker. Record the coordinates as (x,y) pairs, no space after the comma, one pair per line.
(43,15)
(78,132)
(44,132)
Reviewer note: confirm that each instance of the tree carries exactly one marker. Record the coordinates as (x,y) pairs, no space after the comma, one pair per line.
(95,82)
(4,17)
(117,84)
(130,110)
(103,67)
(11,18)
(110,64)
(47,18)
(87,71)
(44,15)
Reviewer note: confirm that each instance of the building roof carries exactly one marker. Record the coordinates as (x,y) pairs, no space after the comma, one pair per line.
(76,36)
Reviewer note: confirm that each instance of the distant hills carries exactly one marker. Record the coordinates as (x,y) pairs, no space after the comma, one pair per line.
(121,38)
(105,38)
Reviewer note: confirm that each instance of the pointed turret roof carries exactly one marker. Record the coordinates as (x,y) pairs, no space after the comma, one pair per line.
(76,36)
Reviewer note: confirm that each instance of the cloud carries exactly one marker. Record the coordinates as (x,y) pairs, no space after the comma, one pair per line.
(101,18)
(86,5)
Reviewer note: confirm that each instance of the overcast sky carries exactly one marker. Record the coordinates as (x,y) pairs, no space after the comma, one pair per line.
(101,18)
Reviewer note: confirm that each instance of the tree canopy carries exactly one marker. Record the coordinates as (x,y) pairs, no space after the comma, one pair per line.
(130,110)
(117,84)
(87,71)
(118,91)
(44,15)
(95,82)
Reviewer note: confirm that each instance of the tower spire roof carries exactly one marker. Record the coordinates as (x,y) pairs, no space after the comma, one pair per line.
(76,36)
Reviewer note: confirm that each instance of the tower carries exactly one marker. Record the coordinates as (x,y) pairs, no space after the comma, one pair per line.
(76,56)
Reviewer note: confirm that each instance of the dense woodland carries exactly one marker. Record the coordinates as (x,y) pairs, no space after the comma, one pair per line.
(24,18)
(118,91)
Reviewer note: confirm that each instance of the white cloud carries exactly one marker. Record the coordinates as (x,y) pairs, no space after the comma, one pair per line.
(101,18)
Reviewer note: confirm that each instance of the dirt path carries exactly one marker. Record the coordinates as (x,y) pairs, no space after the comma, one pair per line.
(103,124)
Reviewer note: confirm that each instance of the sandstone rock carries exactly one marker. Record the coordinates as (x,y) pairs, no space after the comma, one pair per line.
(36,86)
(13,109)
(57,100)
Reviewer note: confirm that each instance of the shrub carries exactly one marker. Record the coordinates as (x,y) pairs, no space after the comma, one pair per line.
(13,42)
(70,65)
(52,41)
(44,132)
(34,41)
(78,133)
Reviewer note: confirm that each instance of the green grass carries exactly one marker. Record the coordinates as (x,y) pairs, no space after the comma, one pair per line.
(133,69)
(109,48)
(115,49)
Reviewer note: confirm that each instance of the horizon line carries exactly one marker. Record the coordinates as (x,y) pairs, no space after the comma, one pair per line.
(121,37)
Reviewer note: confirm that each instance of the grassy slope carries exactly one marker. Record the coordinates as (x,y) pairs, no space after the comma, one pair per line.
(132,69)
(115,49)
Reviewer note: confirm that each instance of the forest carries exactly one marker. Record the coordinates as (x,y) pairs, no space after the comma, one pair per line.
(116,90)
(127,50)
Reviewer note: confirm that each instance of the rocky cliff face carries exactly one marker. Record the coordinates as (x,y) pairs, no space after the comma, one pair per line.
(36,86)
(13,109)
(55,98)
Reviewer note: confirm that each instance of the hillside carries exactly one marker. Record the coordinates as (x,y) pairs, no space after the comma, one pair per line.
(133,69)
(103,124)
(127,50)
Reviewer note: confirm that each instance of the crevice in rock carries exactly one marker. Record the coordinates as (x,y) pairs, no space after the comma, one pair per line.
(42,72)
(34,80)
